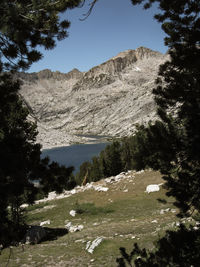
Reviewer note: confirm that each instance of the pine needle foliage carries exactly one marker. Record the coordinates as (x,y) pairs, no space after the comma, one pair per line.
(25,26)
(20,162)
(172,144)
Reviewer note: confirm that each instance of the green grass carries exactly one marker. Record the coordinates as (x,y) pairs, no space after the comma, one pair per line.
(35,207)
(122,218)
(91,209)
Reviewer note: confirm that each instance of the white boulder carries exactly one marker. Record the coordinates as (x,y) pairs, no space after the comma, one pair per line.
(24,206)
(90,246)
(162,211)
(74,228)
(119,177)
(45,222)
(73,191)
(152,188)
(101,188)
(72,213)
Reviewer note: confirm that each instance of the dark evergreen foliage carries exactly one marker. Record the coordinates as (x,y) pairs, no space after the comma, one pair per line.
(108,163)
(112,159)
(119,156)
(25,25)
(20,163)
(16,146)
(176,249)
(174,141)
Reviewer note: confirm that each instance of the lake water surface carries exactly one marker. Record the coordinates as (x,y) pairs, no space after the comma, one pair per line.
(74,155)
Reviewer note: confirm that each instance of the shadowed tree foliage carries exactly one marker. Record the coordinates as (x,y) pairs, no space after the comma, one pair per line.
(112,159)
(174,141)
(108,163)
(24,27)
(175,249)
(20,163)
(95,170)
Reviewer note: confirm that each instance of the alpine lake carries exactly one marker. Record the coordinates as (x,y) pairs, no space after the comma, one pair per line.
(74,155)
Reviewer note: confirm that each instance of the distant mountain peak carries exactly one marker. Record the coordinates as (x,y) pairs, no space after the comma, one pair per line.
(75,70)
(106,72)
(74,73)
(140,53)
(108,100)
(48,74)
(124,53)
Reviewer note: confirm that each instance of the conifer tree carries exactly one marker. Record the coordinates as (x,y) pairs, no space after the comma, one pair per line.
(95,171)
(24,26)
(173,143)
(20,162)
(112,159)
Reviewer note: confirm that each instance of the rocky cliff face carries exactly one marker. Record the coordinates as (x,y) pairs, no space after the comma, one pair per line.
(107,100)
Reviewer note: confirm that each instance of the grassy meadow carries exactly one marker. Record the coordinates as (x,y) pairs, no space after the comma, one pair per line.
(123,215)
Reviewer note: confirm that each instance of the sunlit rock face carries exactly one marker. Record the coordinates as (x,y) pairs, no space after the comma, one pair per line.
(109,99)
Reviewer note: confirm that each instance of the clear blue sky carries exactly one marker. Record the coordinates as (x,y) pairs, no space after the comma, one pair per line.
(113,26)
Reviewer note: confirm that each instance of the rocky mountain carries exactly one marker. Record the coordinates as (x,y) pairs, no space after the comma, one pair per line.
(107,100)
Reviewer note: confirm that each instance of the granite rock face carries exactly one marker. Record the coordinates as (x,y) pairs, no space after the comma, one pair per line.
(107,100)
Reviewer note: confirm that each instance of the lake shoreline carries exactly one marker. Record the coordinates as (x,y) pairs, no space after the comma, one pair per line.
(88,140)
(75,154)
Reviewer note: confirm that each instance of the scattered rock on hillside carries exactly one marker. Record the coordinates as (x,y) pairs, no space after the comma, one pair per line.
(162,211)
(45,222)
(72,213)
(125,190)
(97,186)
(90,246)
(73,228)
(101,188)
(152,188)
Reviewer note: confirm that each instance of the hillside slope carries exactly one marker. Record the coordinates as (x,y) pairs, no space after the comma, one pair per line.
(121,215)
(107,100)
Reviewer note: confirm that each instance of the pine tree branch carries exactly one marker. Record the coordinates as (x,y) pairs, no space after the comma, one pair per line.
(25,17)
(86,15)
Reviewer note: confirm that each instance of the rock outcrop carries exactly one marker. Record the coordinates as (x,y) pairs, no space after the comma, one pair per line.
(107,100)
